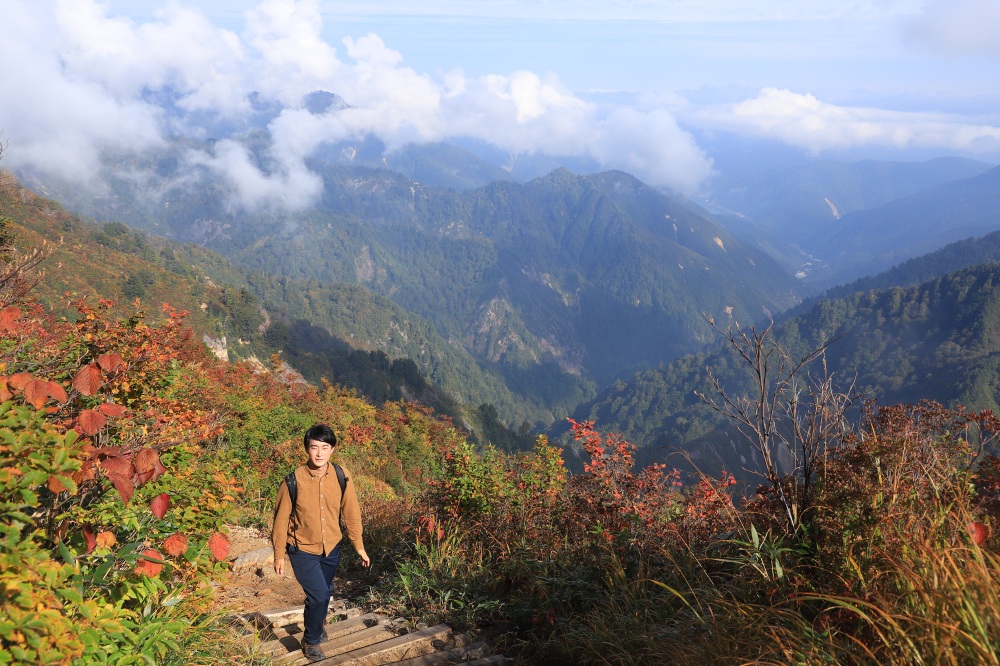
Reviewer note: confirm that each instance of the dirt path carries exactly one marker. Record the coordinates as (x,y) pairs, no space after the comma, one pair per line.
(258,588)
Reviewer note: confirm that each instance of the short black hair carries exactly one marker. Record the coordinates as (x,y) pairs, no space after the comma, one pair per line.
(320,432)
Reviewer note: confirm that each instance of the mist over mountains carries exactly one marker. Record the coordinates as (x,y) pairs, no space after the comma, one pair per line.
(546,291)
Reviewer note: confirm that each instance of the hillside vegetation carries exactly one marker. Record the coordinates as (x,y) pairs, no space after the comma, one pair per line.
(126,449)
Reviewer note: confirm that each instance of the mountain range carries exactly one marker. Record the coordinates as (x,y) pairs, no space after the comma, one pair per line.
(530,300)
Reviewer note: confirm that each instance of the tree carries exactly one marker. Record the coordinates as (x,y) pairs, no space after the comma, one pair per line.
(790,418)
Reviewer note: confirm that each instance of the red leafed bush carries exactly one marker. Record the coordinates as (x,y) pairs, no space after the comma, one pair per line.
(175,544)
(159,505)
(218,545)
(146,566)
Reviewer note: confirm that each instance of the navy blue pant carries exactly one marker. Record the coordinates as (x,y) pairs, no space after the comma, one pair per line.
(315,575)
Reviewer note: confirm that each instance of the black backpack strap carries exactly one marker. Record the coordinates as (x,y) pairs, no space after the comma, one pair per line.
(342,479)
(293,488)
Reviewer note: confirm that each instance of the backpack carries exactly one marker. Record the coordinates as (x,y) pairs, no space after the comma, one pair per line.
(293,486)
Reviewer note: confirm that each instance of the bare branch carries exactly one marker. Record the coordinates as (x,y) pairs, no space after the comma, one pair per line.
(787,415)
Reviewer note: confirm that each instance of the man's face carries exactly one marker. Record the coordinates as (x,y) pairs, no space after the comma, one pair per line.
(319,453)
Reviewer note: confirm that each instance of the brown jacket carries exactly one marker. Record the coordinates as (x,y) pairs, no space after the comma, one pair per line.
(315,525)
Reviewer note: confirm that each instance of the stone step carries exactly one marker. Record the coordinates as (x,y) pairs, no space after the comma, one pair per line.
(448,656)
(394,649)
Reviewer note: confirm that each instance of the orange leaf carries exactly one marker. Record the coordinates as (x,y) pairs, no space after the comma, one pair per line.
(112,410)
(8,319)
(218,544)
(110,362)
(90,422)
(5,393)
(88,380)
(55,485)
(57,392)
(85,473)
(17,381)
(159,505)
(176,544)
(146,565)
(36,392)
(105,539)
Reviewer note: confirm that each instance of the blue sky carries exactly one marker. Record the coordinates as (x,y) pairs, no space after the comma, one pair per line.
(627,84)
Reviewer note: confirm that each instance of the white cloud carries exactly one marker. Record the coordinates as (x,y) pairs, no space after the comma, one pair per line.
(78,81)
(805,121)
(55,120)
(958,27)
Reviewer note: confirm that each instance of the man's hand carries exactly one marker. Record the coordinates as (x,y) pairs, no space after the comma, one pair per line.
(279,567)
(365,562)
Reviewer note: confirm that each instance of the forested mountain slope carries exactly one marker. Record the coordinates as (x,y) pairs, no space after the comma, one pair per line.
(939,340)
(557,285)
(112,262)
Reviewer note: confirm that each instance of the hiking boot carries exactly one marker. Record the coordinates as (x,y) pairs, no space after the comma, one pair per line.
(311,652)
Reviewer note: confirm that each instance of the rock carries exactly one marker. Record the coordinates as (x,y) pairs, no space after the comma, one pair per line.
(253,559)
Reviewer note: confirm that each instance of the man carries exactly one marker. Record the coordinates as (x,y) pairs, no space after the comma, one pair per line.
(308,530)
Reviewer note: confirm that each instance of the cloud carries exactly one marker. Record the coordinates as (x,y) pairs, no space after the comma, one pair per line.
(803,120)
(79,82)
(56,121)
(958,27)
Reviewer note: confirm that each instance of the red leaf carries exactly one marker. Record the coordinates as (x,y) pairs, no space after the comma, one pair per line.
(90,422)
(123,484)
(8,319)
(979,532)
(159,505)
(146,566)
(112,410)
(145,460)
(88,380)
(57,392)
(118,465)
(91,538)
(176,544)
(110,362)
(17,381)
(218,544)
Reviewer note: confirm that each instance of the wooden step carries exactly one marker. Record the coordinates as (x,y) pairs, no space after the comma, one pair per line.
(495,660)
(361,639)
(447,656)
(284,616)
(291,640)
(394,649)
(344,644)
(344,623)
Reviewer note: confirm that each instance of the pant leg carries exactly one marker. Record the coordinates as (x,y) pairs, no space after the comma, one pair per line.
(315,574)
